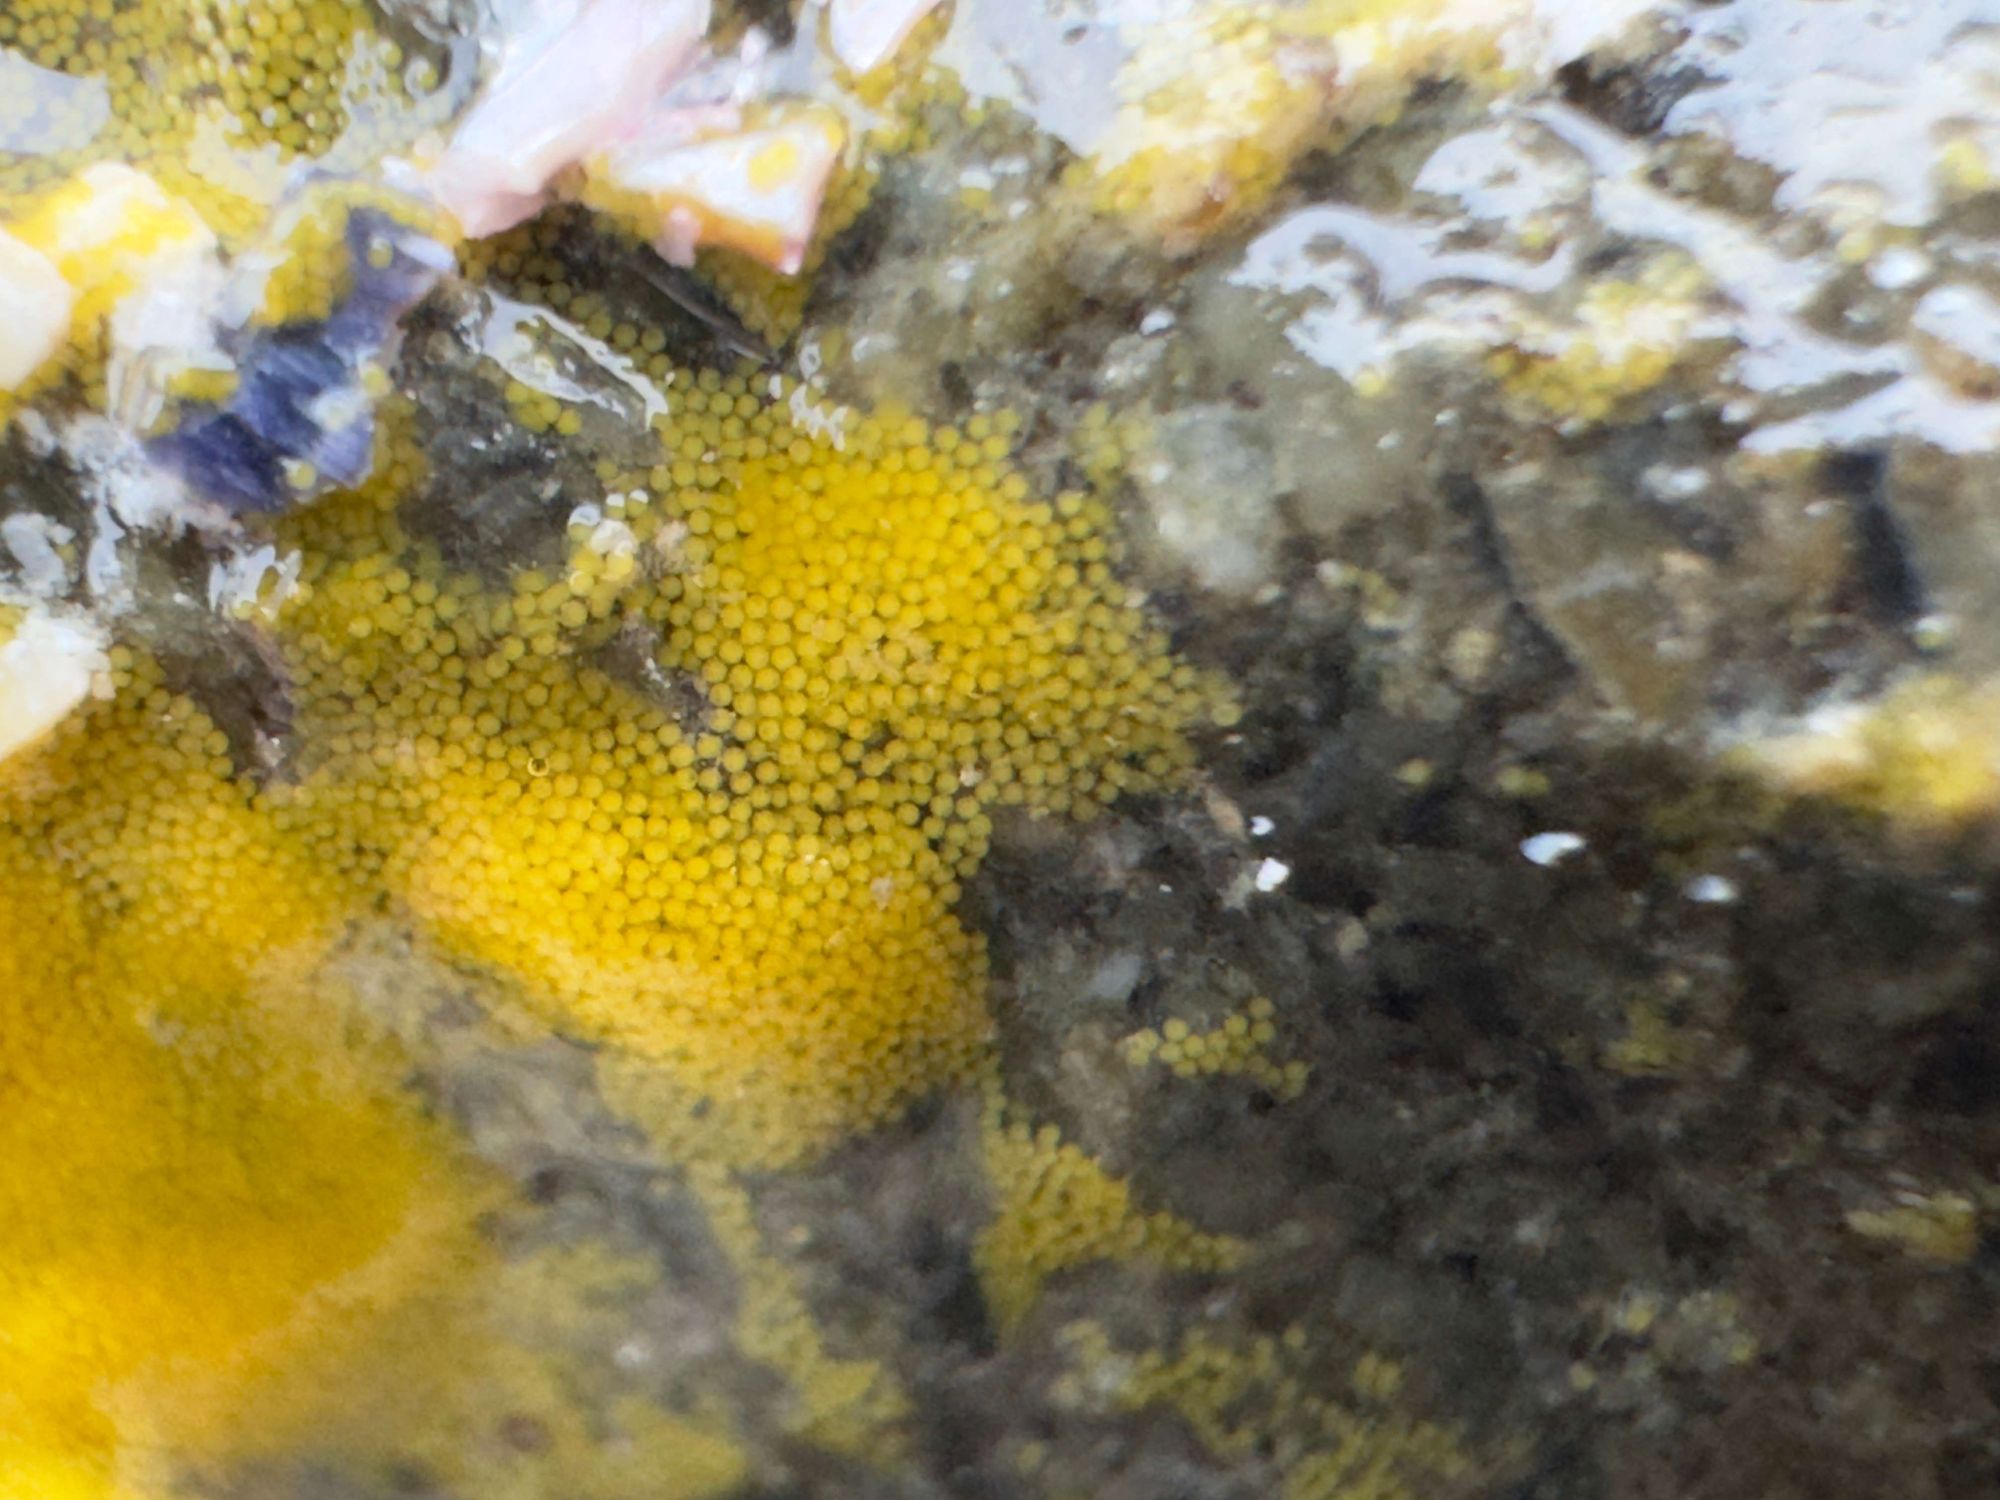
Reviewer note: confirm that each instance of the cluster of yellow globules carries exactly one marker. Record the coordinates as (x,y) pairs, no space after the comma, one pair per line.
(735,870)
(210,1182)
(743,870)
(735,867)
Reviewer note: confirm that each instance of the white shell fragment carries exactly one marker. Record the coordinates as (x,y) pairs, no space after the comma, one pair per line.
(865,32)
(1547,849)
(755,190)
(34,310)
(1711,890)
(46,669)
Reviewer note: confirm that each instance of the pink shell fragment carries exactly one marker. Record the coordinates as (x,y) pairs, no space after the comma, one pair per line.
(581,73)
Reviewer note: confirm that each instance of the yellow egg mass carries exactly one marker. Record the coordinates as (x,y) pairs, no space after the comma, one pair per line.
(208,1185)
(699,787)
(279,74)
(730,857)
(738,864)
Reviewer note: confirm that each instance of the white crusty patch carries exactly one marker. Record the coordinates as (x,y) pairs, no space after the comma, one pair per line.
(47,668)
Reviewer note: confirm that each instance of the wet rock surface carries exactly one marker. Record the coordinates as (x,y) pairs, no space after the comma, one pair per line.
(1591,1142)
